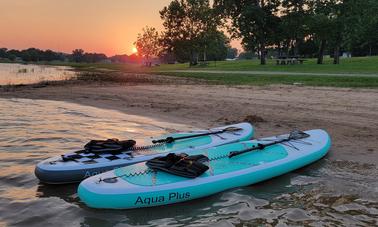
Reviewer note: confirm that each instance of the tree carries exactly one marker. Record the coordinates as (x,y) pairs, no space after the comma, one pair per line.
(293,27)
(148,44)
(337,33)
(216,47)
(361,25)
(13,54)
(320,26)
(134,58)
(369,30)
(189,27)
(367,41)
(247,55)
(232,52)
(124,58)
(32,54)
(49,55)
(254,21)
(341,22)
(77,55)
(93,57)
(3,53)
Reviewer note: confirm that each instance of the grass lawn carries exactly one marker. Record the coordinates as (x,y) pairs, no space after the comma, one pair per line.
(357,65)
(363,65)
(347,65)
(242,79)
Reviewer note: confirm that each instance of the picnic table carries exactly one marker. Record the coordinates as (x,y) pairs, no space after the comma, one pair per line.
(289,61)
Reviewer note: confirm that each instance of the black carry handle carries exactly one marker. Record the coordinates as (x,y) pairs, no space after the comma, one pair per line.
(294,135)
(172,139)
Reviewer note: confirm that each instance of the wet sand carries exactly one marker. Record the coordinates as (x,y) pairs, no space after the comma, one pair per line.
(349,115)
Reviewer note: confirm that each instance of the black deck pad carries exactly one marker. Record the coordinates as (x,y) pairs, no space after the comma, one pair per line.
(112,146)
(97,151)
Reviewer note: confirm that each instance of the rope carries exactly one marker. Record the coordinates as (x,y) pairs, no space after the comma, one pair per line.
(134,174)
(147,147)
(218,157)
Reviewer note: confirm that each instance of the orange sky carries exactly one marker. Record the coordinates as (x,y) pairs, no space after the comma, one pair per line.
(106,26)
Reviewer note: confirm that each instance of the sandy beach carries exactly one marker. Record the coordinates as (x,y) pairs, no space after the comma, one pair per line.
(350,115)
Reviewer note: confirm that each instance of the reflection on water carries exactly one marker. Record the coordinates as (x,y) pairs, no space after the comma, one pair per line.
(13,74)
(328,192)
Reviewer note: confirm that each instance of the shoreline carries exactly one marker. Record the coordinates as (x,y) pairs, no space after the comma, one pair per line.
(349,115)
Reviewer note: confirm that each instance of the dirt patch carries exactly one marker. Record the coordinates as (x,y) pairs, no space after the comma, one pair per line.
(253,119)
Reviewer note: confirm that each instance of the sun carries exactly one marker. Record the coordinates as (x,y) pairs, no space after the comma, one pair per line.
(134,50)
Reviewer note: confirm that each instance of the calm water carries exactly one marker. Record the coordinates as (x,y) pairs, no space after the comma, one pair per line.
(14,74)
(325,193)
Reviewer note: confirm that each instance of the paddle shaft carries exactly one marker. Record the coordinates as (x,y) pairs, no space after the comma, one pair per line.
(258,147)
(172,139)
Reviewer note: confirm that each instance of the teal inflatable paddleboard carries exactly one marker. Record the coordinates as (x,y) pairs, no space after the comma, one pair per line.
(138,186)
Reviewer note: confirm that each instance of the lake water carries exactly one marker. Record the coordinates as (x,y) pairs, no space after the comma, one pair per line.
(15,74)
(324,193)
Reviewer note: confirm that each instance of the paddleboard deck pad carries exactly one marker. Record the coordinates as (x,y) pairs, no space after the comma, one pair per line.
(57,171)
(137,186)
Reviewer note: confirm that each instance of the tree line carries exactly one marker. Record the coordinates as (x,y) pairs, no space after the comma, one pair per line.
(31,54)
(195,29)
(77,55)
(200,30)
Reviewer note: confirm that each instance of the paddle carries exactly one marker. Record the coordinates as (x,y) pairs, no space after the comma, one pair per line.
(294,135)
(172,139)
(114,146)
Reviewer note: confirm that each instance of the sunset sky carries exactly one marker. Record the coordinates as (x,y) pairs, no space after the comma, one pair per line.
(108,27)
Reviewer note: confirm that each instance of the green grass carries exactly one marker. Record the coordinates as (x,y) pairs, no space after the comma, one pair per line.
(347,65)
(241,79)
(363,65)
(357,65)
